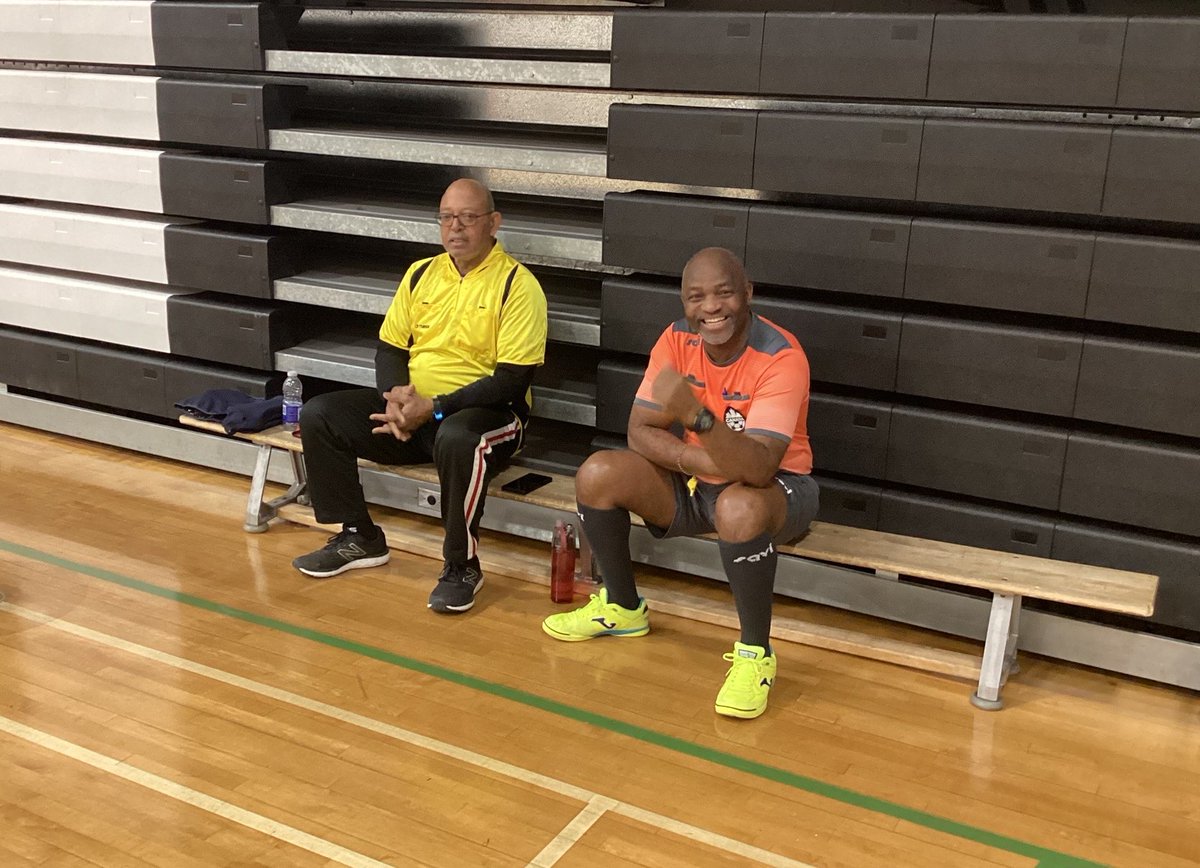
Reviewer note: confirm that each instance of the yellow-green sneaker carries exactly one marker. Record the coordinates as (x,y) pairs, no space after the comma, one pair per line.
(598,618)
(747,683)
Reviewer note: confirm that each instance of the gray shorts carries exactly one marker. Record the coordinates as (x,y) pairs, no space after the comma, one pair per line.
(694,514)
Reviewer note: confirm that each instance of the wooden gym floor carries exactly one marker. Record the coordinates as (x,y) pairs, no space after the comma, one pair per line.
(173,693)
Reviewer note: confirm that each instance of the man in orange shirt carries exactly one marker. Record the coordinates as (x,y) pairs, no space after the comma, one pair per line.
(738,385)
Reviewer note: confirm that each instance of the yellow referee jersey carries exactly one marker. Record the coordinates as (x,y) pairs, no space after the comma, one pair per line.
(457,328)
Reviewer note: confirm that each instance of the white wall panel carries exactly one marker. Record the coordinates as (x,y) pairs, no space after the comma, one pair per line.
(103,175)
(126,314)
(80,239)
(77,31)
(121,106)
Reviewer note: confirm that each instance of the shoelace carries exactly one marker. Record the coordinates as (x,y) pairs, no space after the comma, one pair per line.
(745,669)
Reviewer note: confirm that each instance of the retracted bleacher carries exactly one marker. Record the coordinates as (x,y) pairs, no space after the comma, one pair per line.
(982,227)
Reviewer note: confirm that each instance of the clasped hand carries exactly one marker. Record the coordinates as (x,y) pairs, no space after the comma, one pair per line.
(676,396)
(405,412)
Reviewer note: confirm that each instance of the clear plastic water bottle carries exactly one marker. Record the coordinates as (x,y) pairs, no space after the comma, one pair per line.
(293,392)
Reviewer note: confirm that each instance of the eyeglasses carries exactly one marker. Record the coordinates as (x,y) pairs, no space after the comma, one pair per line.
(465,219)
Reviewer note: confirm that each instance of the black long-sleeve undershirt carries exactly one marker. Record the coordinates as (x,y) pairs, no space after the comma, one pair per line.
(505,386)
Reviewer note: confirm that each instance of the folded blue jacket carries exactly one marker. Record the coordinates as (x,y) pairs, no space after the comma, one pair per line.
(236,411)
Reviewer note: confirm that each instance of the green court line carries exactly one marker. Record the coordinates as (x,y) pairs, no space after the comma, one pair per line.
(1046,857)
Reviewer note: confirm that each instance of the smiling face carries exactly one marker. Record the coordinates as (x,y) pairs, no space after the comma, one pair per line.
(716,302)
(468,245)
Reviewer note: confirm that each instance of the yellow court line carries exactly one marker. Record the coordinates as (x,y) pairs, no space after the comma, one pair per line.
(499,767)
(205,802)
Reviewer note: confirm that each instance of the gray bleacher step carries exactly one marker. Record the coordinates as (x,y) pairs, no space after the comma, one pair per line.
(345,287)
(347,357)
(491,70)
(540,152)
(573,241)
(574,309)
(550,29)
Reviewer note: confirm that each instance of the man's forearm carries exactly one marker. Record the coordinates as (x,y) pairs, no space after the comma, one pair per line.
(391,367)
(506,385)
(736,456)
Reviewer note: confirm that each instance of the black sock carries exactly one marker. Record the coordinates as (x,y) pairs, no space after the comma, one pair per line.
(750,567)
(364,528)
(608,533)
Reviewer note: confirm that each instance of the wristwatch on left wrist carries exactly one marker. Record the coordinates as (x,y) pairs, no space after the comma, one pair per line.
(703,422)
(438,415)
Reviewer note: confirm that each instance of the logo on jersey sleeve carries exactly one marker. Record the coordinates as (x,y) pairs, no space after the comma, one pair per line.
(735,420)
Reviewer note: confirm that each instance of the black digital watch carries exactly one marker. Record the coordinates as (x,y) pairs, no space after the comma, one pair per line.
(703,422)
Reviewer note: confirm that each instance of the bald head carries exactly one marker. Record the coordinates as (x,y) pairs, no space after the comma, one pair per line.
(469,221)
(468,191)
(716,261)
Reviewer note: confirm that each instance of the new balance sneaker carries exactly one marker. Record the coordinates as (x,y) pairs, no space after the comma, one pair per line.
(598,618)
(456,588)
(747,683)
(344,551)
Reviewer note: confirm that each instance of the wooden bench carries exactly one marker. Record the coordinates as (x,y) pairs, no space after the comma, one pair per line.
(1008,577)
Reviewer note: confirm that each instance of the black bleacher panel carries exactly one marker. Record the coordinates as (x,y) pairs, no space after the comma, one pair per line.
(826,54)
(616,385)
(849,503)
(218,36)
(1152,174)
(44,363)
(1001,461)
(1155,388)
(849,435)
(965,523)
(992,265)
(837,155)
(997,366)
(840,251)
(1137,483)
(238,263)
(188,379)
(218,113)
(237,190)
(1146,281)
(661,233)
(1161,64)
(1043,167)
(241,332)
(10,355)
(712,52)
(1035,59)
(1176,564)
(708,147)
(851,346)
(124,379)
(633,313)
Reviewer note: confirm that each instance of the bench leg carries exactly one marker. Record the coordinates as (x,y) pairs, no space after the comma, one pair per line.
(999,651)
(1011,665)
(258,512)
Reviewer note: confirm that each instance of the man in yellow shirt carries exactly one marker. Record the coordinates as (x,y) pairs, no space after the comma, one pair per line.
(457,352)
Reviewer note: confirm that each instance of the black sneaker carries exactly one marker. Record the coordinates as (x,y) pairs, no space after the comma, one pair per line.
(344,551)
(456,588)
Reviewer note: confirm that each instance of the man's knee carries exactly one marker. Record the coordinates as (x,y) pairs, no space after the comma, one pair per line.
(601,477)
(317,413)
(454,440)
(744,513)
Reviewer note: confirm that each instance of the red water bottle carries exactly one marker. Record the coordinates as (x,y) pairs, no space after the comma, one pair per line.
(562,563)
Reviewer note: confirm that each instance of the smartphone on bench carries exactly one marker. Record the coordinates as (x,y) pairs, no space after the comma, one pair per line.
(527,483)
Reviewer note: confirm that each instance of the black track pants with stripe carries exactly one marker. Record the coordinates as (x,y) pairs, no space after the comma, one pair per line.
(468,448)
